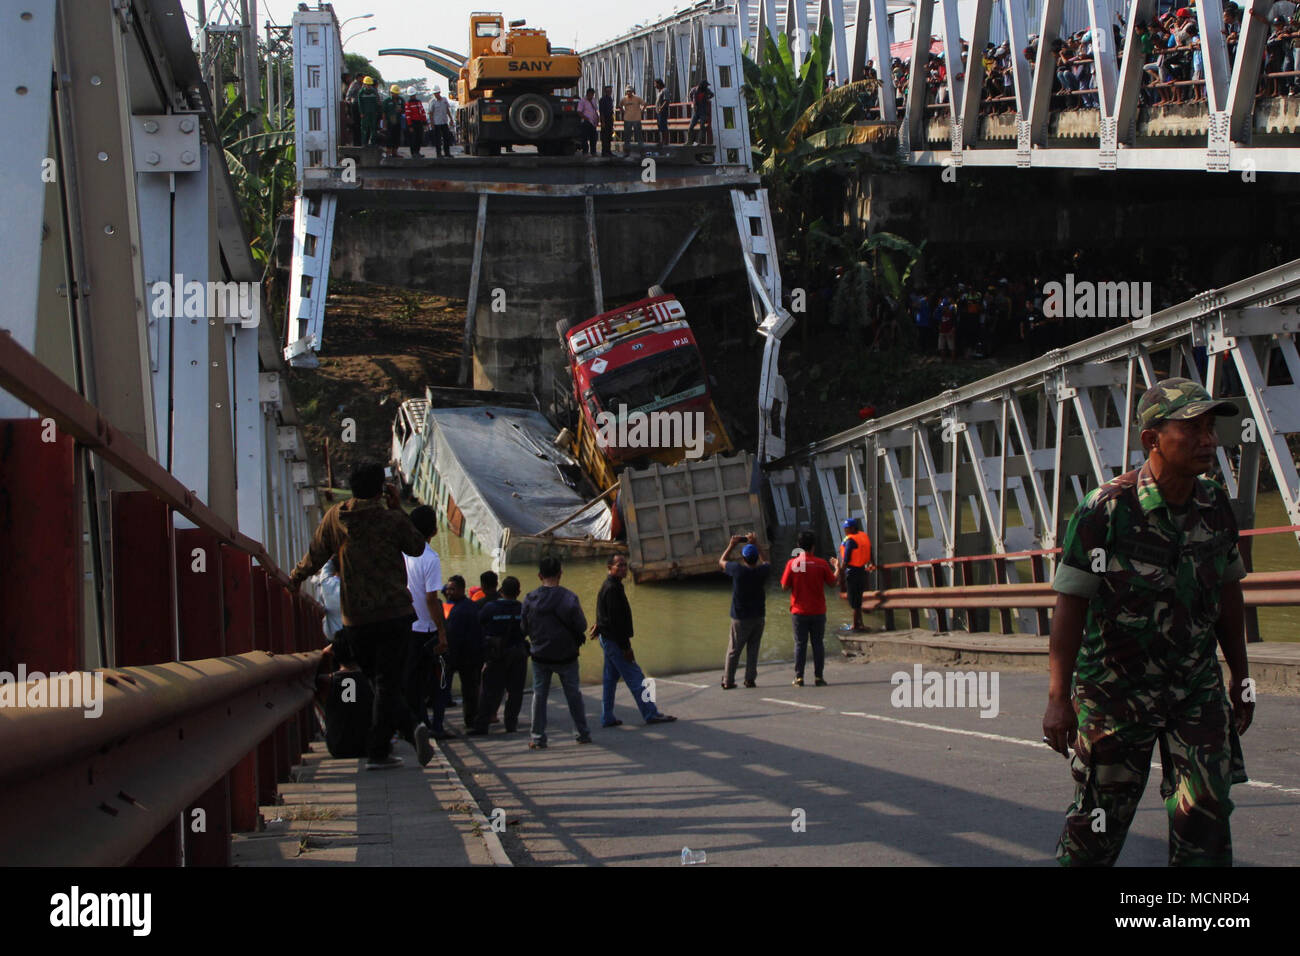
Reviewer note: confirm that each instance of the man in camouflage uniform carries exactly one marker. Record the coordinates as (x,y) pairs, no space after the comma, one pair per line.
(1149,583)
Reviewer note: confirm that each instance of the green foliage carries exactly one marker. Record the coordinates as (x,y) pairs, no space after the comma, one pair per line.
(355,63)
(262,168)
(804,138)
(880,265)
(778,96)
(797,126)
(409,308)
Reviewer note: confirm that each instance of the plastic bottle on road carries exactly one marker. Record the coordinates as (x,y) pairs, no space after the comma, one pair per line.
(690,856)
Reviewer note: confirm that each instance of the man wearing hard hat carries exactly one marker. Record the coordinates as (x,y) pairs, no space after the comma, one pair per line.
(368,109)
(394,107)
(415,122)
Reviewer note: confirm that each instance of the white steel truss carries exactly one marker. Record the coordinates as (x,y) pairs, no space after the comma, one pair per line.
(317,74)
(996,467)
(112,107)
(704,42)
(1236,139)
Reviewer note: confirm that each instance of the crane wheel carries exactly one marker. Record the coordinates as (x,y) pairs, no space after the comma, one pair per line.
(531,116)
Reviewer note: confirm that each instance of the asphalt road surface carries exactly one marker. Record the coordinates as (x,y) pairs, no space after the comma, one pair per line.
(871,783)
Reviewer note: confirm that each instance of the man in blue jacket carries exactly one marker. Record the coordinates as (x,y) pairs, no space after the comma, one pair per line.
(465,645)
(505,655)
(553,620)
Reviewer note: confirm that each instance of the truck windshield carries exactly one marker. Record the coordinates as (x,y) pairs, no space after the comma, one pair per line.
(659,381)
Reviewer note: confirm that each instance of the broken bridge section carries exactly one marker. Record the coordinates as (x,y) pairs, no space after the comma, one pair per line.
(533,243)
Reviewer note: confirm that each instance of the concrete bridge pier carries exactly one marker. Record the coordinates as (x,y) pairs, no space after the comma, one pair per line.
(541,261)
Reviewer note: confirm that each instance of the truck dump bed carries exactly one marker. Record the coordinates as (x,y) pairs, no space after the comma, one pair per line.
(680,517)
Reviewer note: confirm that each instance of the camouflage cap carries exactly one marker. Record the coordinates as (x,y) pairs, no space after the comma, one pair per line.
(1176,398)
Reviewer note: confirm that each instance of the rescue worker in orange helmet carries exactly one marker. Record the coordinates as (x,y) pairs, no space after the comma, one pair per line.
(855,561)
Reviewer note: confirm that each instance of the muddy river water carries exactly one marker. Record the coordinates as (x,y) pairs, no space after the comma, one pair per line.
(682,626)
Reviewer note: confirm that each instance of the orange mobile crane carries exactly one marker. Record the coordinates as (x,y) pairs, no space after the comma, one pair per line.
(507,90)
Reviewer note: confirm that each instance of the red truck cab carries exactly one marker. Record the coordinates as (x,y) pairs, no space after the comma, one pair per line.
(636,361)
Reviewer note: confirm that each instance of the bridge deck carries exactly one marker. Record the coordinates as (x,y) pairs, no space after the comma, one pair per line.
(336,813)
(879,785)
(527,174)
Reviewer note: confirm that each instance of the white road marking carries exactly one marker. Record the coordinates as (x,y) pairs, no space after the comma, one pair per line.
(681,683)
(946,730)
(1270,786)
(792,703)
(1155,764)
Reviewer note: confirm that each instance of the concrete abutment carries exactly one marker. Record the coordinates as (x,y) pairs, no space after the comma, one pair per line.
(536,268)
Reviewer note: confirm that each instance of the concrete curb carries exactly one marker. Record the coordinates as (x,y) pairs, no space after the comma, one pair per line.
(1275,667)
(488,835)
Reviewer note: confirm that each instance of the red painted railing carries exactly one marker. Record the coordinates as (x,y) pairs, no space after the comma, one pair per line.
(204,740)
(1260,589)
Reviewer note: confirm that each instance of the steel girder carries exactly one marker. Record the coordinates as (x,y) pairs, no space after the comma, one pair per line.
(757,238)
(317,72)
(704,42)
(1230,88)
(313,239)
(987,483)
(1230,91)
(124,164)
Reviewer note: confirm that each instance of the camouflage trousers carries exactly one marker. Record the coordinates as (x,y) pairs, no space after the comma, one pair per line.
(1200,758)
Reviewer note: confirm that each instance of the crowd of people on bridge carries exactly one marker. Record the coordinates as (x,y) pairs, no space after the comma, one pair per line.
(368,118)
(1169,44)
(402,118)
(394,620)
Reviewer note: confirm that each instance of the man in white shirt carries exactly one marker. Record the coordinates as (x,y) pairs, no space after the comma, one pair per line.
(429,632)
(440,120)
(330,585)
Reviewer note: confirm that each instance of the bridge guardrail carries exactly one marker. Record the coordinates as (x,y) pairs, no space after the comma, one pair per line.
(1259,588)
(89,792)
(209,704)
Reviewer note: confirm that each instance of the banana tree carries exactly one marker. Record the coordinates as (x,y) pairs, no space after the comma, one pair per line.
(878,268)
(803,135)
(264,193)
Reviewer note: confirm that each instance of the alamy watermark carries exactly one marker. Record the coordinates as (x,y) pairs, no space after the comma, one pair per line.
(127,910)
(202,300)
(83,690)
(1097,300)
(659,429)
(946,689)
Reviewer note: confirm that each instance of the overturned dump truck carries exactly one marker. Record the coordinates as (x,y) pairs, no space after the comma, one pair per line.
(642,461)
(643,419)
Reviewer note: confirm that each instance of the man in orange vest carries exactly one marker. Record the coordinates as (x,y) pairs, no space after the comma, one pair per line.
(855,561)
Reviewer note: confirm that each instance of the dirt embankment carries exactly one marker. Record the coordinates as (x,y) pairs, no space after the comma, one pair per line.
(384,345)
(381,346)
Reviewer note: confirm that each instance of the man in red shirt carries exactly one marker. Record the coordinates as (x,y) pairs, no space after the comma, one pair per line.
(415,122)
(806,577)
